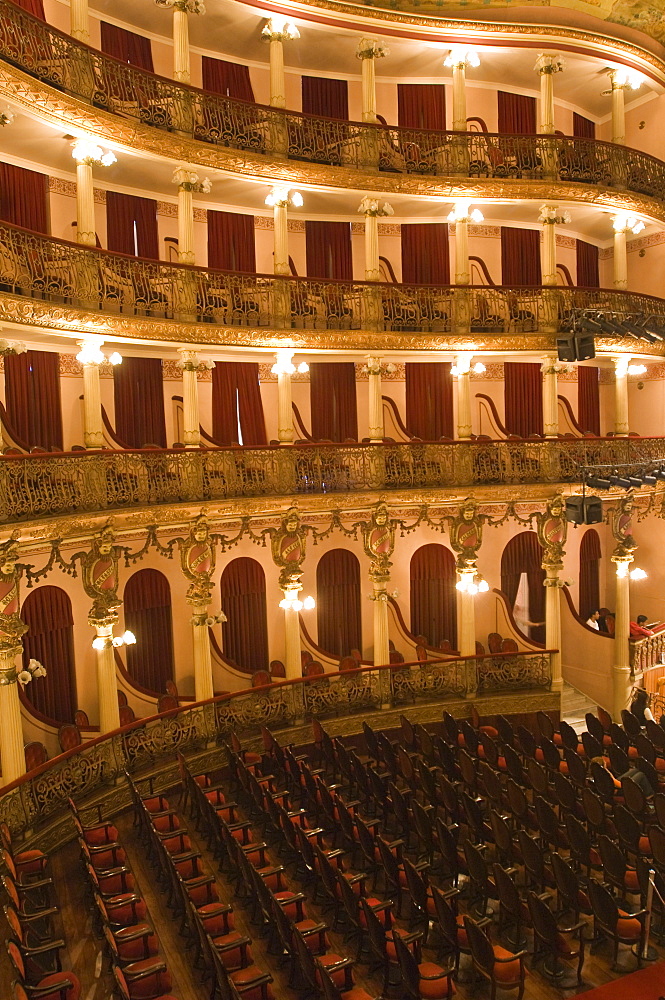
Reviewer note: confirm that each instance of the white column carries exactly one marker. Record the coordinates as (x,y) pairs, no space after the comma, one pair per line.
(466,625)
(621,422)
(553,622)
(281,244)
(462,276)
(548,256)
(203,684)
(621,669)
(620,258)
(292,659)
(12,758)
(107,685)
(375,400)
(546,66)
(190,397)
(372,265)
(617,78)
(463,365)
(284,398)
(381,640)
(78,20)
(368,90)
(93,424)
(181,66)
(85,205)
(550,397)
(276,31)
(459,96)
(185,226)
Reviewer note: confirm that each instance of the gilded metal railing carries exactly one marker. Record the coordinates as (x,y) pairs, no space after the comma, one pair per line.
(43,268)
(39,485)
(68,65)
(647,652)
(99,764)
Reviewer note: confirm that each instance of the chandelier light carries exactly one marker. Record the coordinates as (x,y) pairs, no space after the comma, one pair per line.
(624,222)
(461,369)
(92,354)
(628,78)
(87,151)
(284,365)
(472,583)
(460,54)
(103,642)
(279,27)
(291,602)
(462,212)
(284,196)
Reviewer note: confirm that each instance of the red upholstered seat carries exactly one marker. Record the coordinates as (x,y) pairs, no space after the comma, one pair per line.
(233,957)
(138,947)
(505,972)
(339,976)
(433,983)
(244,976)
(628,927)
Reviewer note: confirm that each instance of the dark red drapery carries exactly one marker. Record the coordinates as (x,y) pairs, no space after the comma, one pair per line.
(332,390)
(421,106)
(517,114)
(523,393)
(47,611)
(523,554)
(138,394)
(583,128)
(589,573)
(587,264)
(32,398)
(429,400)
(231,241)
(520,257)
(127,215)
(433,594)
(425,254)
(328,250)
(243,601)
(147,603)
(326,98)
(227,78)
(588,401)
(24,198)
(338,603)
(126,46)
(36,8)
(236,398)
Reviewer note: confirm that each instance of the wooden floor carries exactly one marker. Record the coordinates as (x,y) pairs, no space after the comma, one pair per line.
(84,955)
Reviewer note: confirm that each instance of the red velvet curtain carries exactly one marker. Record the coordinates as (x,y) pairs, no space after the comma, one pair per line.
(24,199)
(587,265)
(425,254)
(125,214)
(236,398)
(429,400)
(588,401)
(332,389)
(36,8)
(421,106)
(325,98)
(523,392)
(32,398)
(147,602)
(520,256)
(589,573)
(517,114)
(338,603)
(583,128)
(243,601)
(433,594)
(227,78)
(231,241)
(328,250)
(138,394)
(126,46)
(47,612)
(523,554)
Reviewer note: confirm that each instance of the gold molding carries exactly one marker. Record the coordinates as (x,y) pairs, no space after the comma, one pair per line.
(74,115)
(42,315)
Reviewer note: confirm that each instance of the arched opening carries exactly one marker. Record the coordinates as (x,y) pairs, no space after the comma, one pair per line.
(589,596)
(522,579)
(147,601)
(338,602)
(243,599)
(433,596)
(47,612)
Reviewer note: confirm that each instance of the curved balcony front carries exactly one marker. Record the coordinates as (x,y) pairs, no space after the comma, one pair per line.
(37,486)
(54,284)
(135,108)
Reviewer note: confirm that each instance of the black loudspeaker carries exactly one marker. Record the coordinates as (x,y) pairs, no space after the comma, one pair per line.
(575,347)
(584,510)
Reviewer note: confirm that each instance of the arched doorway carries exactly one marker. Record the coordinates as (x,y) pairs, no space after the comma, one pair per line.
(589,589)
(147,601)
(338,602)
(47,612)
(243,599)
(433,596)
(522,579)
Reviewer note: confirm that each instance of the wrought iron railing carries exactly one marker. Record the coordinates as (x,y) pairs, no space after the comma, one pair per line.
(97,765)
(68,65)
(39,485)
(47,269)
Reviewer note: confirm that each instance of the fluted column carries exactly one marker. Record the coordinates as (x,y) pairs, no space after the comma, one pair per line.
(621,420)
(281,252)
(87,154)
(549,218)
(191,433)
(621,669)
(12,758)
(380,619)
(203,682)
(284,369)
(375,399)
(458,58)
(292,658)
(466,626)
(276,31)
(189,183)
(107,686)
(618,82)
(181,60)
(372,265)
(620,258)
(550,371)
(553,585)
(368,50)
(462,275)
(79,24)
(546,66)
(463,378)
(93,423)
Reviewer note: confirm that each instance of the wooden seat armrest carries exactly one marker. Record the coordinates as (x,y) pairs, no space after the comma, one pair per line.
(159,965)
(512,957)
(242,942)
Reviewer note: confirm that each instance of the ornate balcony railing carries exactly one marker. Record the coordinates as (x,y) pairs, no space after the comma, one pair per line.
(99,764)
(646,652)
(39,485)
(70,66)
(42,268)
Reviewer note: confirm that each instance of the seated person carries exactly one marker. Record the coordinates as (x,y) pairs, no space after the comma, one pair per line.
(639,706)
(593,620)
(637,629)
(606,622)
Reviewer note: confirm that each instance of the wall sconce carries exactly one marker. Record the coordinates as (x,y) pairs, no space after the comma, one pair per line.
(291,602)
(103,642)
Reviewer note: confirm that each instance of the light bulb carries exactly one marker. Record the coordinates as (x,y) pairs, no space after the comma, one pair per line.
(638,574)
(296,199)
(479,368)
(472,588)
(483,586)
(285,604)
(297,605)
(309,603)
(636,369)
(476,216)
(128,638)
(461,585)
(115,358)
(98,642)
(117,641)
(303,367)
(454,370)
